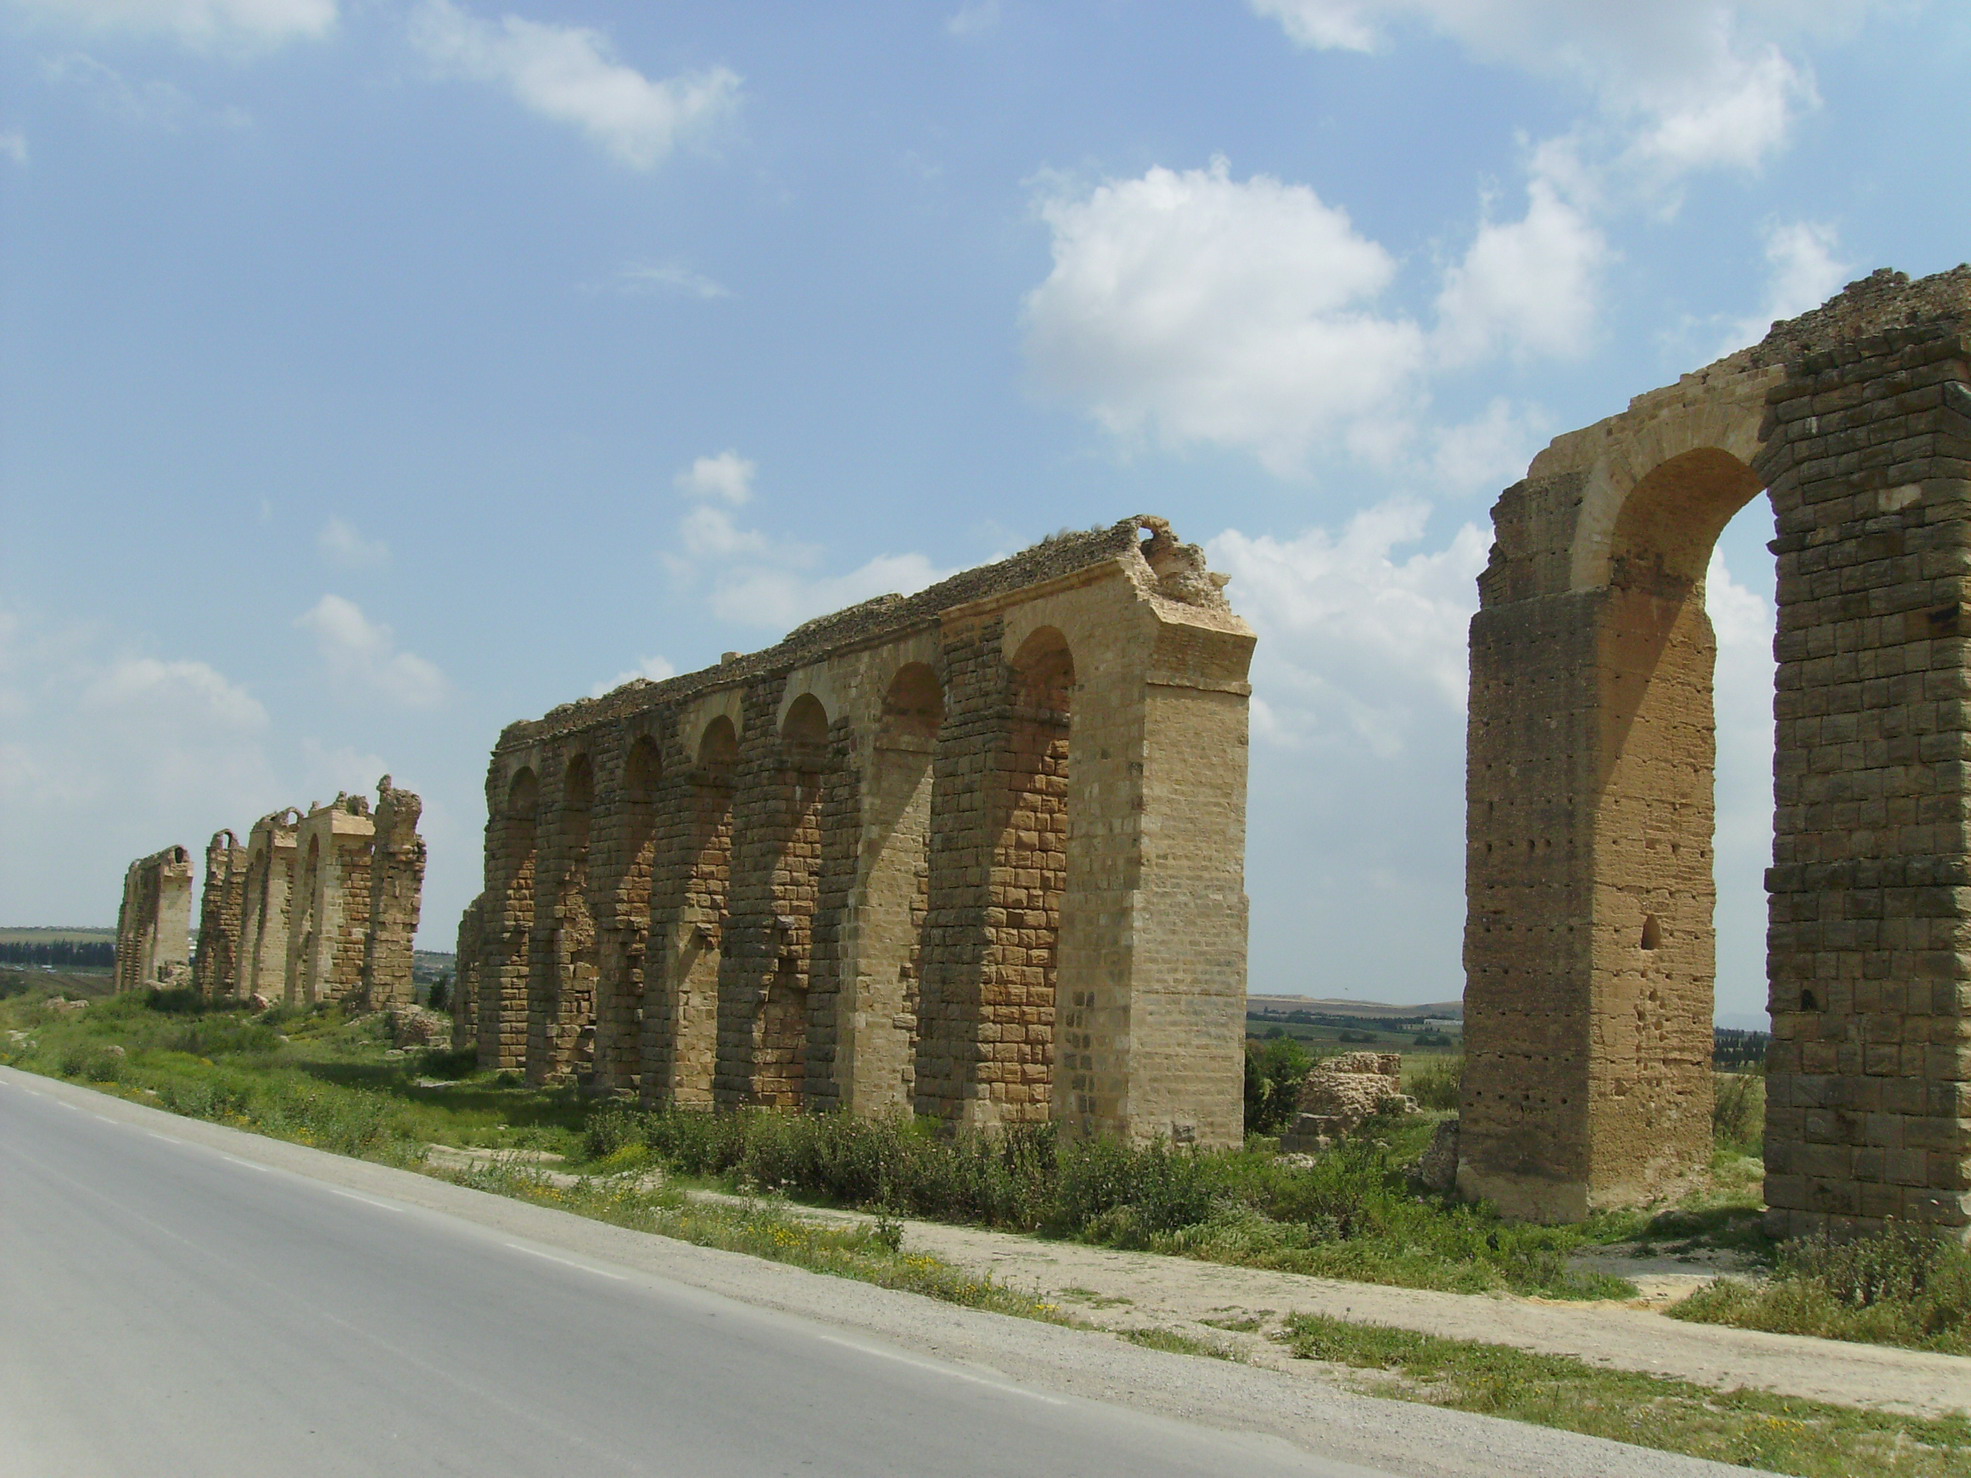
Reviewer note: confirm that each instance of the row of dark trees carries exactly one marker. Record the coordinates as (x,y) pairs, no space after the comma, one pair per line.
(63,954)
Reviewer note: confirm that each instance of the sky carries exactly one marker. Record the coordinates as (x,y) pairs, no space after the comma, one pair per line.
(376,372)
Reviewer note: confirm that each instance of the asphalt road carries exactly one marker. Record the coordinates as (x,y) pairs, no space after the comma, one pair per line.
(168,1309)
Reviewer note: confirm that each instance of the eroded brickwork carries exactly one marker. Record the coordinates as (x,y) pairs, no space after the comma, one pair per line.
(216,961)
(153,925)
(315,907)
(1589,945)
(871,867)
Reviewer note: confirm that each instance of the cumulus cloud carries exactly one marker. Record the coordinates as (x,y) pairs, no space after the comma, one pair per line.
(205,24)
(13,144)
(758,581)
(344,546)
(146,104)
(1803,270)
(655,669)
(1188,306)
(1360,644)
(1694,82)
(727,476)
(1527,287)
(570,74)
(185,694)
(972,20)
(364,653)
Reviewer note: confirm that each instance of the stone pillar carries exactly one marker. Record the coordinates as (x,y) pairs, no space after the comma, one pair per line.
(268,896)
(153,926)
(396,898)
(215,968)
(1869,1075)
(331,914)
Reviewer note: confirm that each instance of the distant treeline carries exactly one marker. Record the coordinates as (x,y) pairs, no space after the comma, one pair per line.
(63,954)
(1731,1047)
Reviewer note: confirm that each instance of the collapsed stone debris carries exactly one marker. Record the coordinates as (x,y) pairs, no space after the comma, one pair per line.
(317,906)
(1342,1094)
(1588,946)
(976,853)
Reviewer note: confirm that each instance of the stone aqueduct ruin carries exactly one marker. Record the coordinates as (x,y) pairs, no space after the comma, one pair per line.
(976,853)
(1589,949)
(317,906)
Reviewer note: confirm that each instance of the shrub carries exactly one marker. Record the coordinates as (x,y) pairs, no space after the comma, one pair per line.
(1437,1082)
(1738,1113)
(1275,1070)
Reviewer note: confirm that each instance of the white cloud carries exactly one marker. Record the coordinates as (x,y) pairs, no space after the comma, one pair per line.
(184,694)
(1696,82)
(13,144)
(781,599)
(1193,307)
(653,669)
(974,19)
(147,104)
(206,24)
(364,653)
(1491,451)
(669,277)
(570,74)
(343,545)
(728,476)
(1358,645)
(710,533)
(1803,271)
(1529,286)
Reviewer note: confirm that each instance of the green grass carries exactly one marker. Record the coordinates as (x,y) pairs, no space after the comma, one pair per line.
(1900,1287)
(1354,1213)
(871,1253)
(1781,1434)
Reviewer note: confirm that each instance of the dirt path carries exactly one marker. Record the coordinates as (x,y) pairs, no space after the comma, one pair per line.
(1239,1308)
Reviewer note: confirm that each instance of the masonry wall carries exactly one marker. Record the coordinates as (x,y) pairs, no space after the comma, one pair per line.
(396,884)
(153,925)
(866,869)
(1589,945)
(216,962)
(265,908)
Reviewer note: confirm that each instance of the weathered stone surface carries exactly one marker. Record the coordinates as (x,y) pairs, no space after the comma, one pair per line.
(315,907)
(153,926)
(976,852)
(1342,1094)
(1589,949)
(216,961)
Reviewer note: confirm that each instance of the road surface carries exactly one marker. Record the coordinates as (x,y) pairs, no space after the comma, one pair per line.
(171,1307)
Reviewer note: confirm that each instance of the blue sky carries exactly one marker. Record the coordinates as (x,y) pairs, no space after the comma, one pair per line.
(377,373)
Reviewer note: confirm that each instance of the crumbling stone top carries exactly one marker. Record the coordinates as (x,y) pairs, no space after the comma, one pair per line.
(1178,568)
(1866,308)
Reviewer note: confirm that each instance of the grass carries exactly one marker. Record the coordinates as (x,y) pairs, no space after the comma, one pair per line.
(1777,1433)
(1900,1287)
(1353,1213)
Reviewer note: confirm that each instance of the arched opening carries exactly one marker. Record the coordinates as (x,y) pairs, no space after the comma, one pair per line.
(563,1045)
(619,986)
(895,900)
(504,996)
(1655,820)
(681,1021)
(780,1054)
(1029,879)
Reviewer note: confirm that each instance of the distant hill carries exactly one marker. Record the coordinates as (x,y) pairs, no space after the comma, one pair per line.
(57,936)
(1368,1010)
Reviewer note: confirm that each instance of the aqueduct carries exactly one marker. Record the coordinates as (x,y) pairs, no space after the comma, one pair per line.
(1589,948)
(976,853)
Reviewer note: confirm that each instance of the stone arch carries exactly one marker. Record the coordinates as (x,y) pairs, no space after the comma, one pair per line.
(781,1033)
(878,1042)
(513,849)
(562,1005)
(1029,881)
(623,931)
(681,1013)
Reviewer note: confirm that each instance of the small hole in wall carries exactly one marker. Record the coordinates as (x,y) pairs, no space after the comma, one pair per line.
(1652,932)
(1807,1001)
